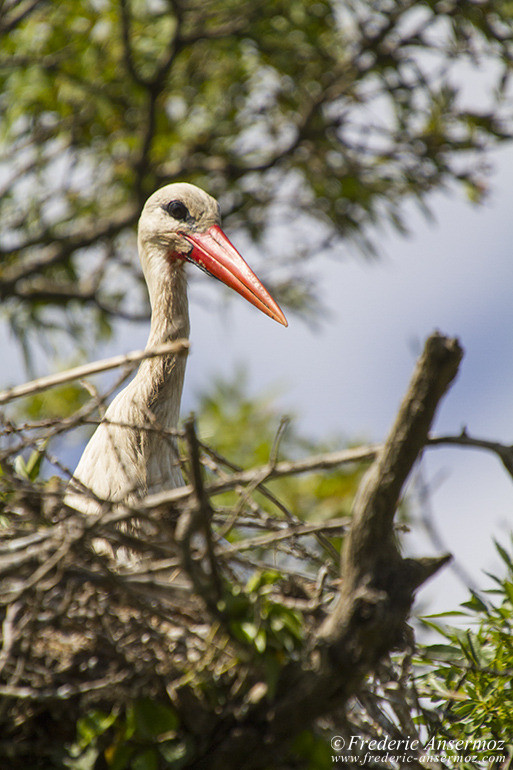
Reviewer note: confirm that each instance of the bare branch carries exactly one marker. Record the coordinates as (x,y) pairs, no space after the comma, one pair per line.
(365,569)
(126,26)
(196,520)
(503,451)
(86,370)
(266,473)
(335,526)
(376,591)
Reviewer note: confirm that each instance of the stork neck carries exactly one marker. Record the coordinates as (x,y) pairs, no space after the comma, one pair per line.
(169,307)
(159,381)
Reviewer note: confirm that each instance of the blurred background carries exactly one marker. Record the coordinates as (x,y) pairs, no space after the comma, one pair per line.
(360,152)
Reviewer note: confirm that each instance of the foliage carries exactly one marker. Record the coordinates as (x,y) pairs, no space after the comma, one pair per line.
(55,403)
(469,677)
(143,737)
(248,428)
(325,115)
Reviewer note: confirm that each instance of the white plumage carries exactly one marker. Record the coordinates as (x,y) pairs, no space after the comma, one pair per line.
(124,460)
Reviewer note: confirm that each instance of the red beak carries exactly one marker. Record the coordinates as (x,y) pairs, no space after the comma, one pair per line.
(214,253)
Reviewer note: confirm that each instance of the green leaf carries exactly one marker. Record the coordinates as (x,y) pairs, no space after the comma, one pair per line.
(475,603)
(177,753)
(120,758)
(504,556)
(30,469)
(442,649)
(154,719)
(148,760)
(92,725)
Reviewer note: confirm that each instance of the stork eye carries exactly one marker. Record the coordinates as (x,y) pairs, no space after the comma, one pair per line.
(177,210)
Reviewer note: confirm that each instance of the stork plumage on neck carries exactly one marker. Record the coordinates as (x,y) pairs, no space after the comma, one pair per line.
(132,453)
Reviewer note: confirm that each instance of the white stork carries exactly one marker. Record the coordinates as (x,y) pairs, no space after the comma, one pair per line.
(124,460)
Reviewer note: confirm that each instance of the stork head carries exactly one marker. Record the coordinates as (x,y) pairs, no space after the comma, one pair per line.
(181,223)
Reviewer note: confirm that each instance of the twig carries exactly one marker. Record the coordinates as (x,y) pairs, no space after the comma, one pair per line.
(7,633)
(281,469)
(503,451)
(78,372)
(427,520)
(198,520)
(273,456)
(64,692)
(334,525)
(217,458)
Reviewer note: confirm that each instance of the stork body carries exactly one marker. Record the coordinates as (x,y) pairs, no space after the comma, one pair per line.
(129,455)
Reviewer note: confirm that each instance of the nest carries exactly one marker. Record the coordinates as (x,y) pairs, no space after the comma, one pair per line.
(98,611)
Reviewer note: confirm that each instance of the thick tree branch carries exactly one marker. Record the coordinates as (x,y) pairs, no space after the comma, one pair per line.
(376,592)
(126,30)
(371,557)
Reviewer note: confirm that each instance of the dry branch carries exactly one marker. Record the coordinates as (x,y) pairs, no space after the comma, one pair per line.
(197,520)
(265,473)
(503,451)
(371,556)
(376,592)
(79,372)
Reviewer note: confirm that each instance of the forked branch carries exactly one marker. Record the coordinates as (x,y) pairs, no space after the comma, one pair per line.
(376,587)
(371,559)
